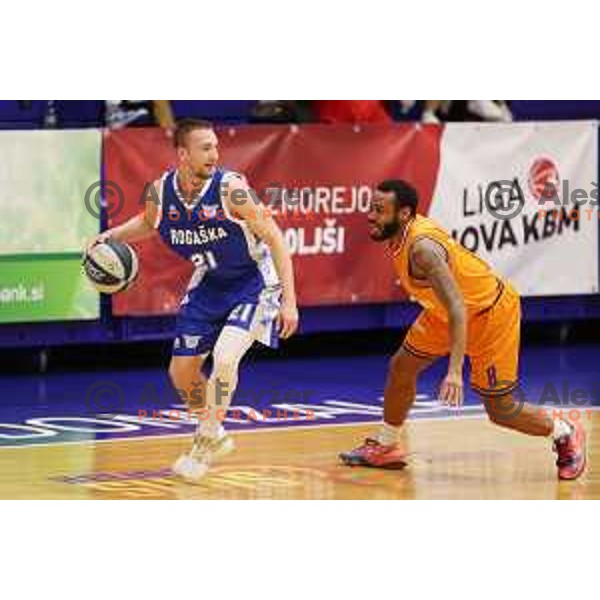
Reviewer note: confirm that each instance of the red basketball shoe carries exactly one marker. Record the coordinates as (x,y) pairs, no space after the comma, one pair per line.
(374,454)
(571,452)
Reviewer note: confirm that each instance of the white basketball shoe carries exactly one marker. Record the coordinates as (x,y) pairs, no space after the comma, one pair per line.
(193,466)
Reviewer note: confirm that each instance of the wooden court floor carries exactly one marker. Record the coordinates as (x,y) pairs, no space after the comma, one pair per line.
(449,459)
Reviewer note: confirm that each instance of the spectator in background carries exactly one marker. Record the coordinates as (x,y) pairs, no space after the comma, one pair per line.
(282,111)
(432,109)
(321,111)
(490,110)
(124,113)
(351,111)
(436,111)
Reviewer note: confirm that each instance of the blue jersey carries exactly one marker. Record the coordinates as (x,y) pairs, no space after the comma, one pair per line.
(232,265)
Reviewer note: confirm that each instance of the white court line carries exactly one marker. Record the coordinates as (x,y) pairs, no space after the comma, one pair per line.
(267,429)
(233,432)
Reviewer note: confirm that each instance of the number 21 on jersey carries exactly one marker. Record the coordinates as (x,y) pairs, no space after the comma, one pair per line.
(205,260)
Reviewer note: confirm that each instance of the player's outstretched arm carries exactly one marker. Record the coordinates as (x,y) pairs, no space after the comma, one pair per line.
(137,228)
(261,223)
(428,260)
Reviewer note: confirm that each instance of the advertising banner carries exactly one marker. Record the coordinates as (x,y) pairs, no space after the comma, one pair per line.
(329,171)
(510,194)
(44,223)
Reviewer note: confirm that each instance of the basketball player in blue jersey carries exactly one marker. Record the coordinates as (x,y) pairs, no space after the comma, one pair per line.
(241,290)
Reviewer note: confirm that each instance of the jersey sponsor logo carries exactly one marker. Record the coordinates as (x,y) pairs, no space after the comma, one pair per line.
(190,341)
(209,211)
(190,237)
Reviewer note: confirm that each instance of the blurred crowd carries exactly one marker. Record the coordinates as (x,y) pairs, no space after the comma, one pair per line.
(122,113)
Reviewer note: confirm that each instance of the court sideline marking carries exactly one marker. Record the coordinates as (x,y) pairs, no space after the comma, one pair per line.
(234,433)
(446,417)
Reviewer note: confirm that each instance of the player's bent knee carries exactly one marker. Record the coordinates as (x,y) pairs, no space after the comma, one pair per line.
(397,363)
(404,366)
(501,410)
(401,379)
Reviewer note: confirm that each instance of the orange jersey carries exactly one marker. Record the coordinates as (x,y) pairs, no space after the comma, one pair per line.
(479,285)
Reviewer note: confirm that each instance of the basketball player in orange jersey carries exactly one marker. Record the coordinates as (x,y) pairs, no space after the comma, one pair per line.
(467,310)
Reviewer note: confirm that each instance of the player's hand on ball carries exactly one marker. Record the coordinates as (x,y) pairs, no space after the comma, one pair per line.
(101,237)
(451,390)
(287,319)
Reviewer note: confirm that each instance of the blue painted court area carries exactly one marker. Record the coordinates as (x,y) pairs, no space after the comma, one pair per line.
(88,406)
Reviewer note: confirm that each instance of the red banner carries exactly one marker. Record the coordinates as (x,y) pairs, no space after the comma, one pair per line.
(328,172)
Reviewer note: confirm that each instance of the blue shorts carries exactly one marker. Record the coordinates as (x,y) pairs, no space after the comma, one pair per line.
(197,332)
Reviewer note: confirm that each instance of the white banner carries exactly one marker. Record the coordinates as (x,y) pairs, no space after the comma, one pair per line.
(508,193)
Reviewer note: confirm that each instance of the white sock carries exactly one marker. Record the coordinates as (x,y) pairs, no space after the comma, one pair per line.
(561,429)
(212,429)
(219,390)
(388,434)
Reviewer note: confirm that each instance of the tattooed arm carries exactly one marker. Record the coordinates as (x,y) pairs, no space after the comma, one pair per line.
(428,261)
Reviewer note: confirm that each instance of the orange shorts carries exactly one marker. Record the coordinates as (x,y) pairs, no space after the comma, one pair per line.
(492,343)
